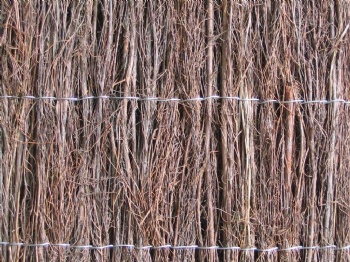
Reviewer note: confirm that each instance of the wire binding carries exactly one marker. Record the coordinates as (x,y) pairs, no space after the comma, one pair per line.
(160,99)
(148,247)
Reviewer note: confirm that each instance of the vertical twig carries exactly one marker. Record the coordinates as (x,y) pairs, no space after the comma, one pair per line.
(208,119)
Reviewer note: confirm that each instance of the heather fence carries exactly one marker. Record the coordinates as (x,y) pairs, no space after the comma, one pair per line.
(174,130)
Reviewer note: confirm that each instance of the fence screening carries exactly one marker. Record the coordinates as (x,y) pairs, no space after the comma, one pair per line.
(174,130)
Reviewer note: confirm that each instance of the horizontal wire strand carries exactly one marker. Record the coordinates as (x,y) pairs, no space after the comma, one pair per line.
(159,99)
(234,248)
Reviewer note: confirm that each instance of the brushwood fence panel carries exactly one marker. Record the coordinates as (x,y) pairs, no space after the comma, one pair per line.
(174,130)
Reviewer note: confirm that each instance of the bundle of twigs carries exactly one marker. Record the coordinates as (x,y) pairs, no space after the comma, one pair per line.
(227,172)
